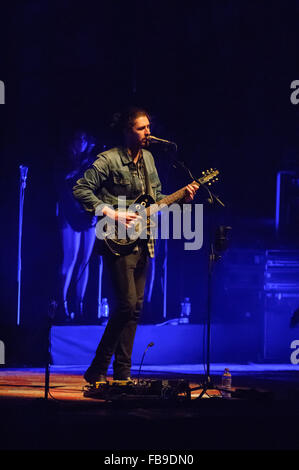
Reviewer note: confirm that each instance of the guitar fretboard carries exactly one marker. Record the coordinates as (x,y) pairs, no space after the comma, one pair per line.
(167,200)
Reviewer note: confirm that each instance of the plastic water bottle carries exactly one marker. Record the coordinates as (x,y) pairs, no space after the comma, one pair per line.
(226,384)
(185,310)
(104,308)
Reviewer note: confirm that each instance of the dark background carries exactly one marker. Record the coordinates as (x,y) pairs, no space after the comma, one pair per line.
(216,77)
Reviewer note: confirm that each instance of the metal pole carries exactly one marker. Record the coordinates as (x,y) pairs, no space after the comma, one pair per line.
(211,262)
(23,171)
(165,280)
(100,286)
(19,251)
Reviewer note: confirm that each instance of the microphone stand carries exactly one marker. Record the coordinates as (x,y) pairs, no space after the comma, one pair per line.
(48,356)
(23,170)
(214,255)
(216,248)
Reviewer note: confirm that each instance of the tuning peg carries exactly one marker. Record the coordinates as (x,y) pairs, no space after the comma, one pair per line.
(203,172)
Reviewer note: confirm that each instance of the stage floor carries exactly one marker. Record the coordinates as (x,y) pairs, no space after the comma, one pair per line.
(264,414)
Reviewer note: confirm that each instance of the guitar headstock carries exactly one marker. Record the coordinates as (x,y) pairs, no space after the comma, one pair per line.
(209,176)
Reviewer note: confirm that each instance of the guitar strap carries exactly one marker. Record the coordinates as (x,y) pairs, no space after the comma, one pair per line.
(150,192)
(149,189)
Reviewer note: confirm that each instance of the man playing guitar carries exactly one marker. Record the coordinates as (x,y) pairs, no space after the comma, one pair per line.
(128,170)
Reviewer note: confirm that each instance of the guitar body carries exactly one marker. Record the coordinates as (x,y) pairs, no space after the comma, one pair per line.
(124,245)
(122,241)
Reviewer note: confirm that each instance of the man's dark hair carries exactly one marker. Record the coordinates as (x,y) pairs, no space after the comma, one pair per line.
(124,120)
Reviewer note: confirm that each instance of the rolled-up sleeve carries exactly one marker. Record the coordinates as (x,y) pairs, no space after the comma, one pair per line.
(87,189)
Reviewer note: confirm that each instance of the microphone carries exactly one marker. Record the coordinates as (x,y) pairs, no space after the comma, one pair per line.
(23,174)
(156,140)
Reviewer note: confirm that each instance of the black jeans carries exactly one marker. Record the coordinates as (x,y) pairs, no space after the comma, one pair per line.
(128,275)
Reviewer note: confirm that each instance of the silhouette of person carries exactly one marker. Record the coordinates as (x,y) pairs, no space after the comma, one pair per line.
(77,229)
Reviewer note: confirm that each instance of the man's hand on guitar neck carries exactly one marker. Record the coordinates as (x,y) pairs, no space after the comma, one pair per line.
(190,192)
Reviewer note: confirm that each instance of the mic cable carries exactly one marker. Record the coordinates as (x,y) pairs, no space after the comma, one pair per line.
(151,344)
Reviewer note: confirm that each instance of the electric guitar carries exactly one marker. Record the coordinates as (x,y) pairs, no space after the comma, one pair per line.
(121,240)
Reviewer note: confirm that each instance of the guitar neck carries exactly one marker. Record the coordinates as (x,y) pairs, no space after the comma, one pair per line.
(167,200)
(179,194)
(170,199)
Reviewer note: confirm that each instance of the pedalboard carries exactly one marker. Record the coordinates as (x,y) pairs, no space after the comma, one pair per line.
(146,389)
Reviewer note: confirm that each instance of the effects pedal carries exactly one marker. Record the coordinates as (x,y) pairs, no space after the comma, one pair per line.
(143,389)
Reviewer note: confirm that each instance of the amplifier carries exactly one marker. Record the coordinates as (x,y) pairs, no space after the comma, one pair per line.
(282,271)
(278,334)
(287,204)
